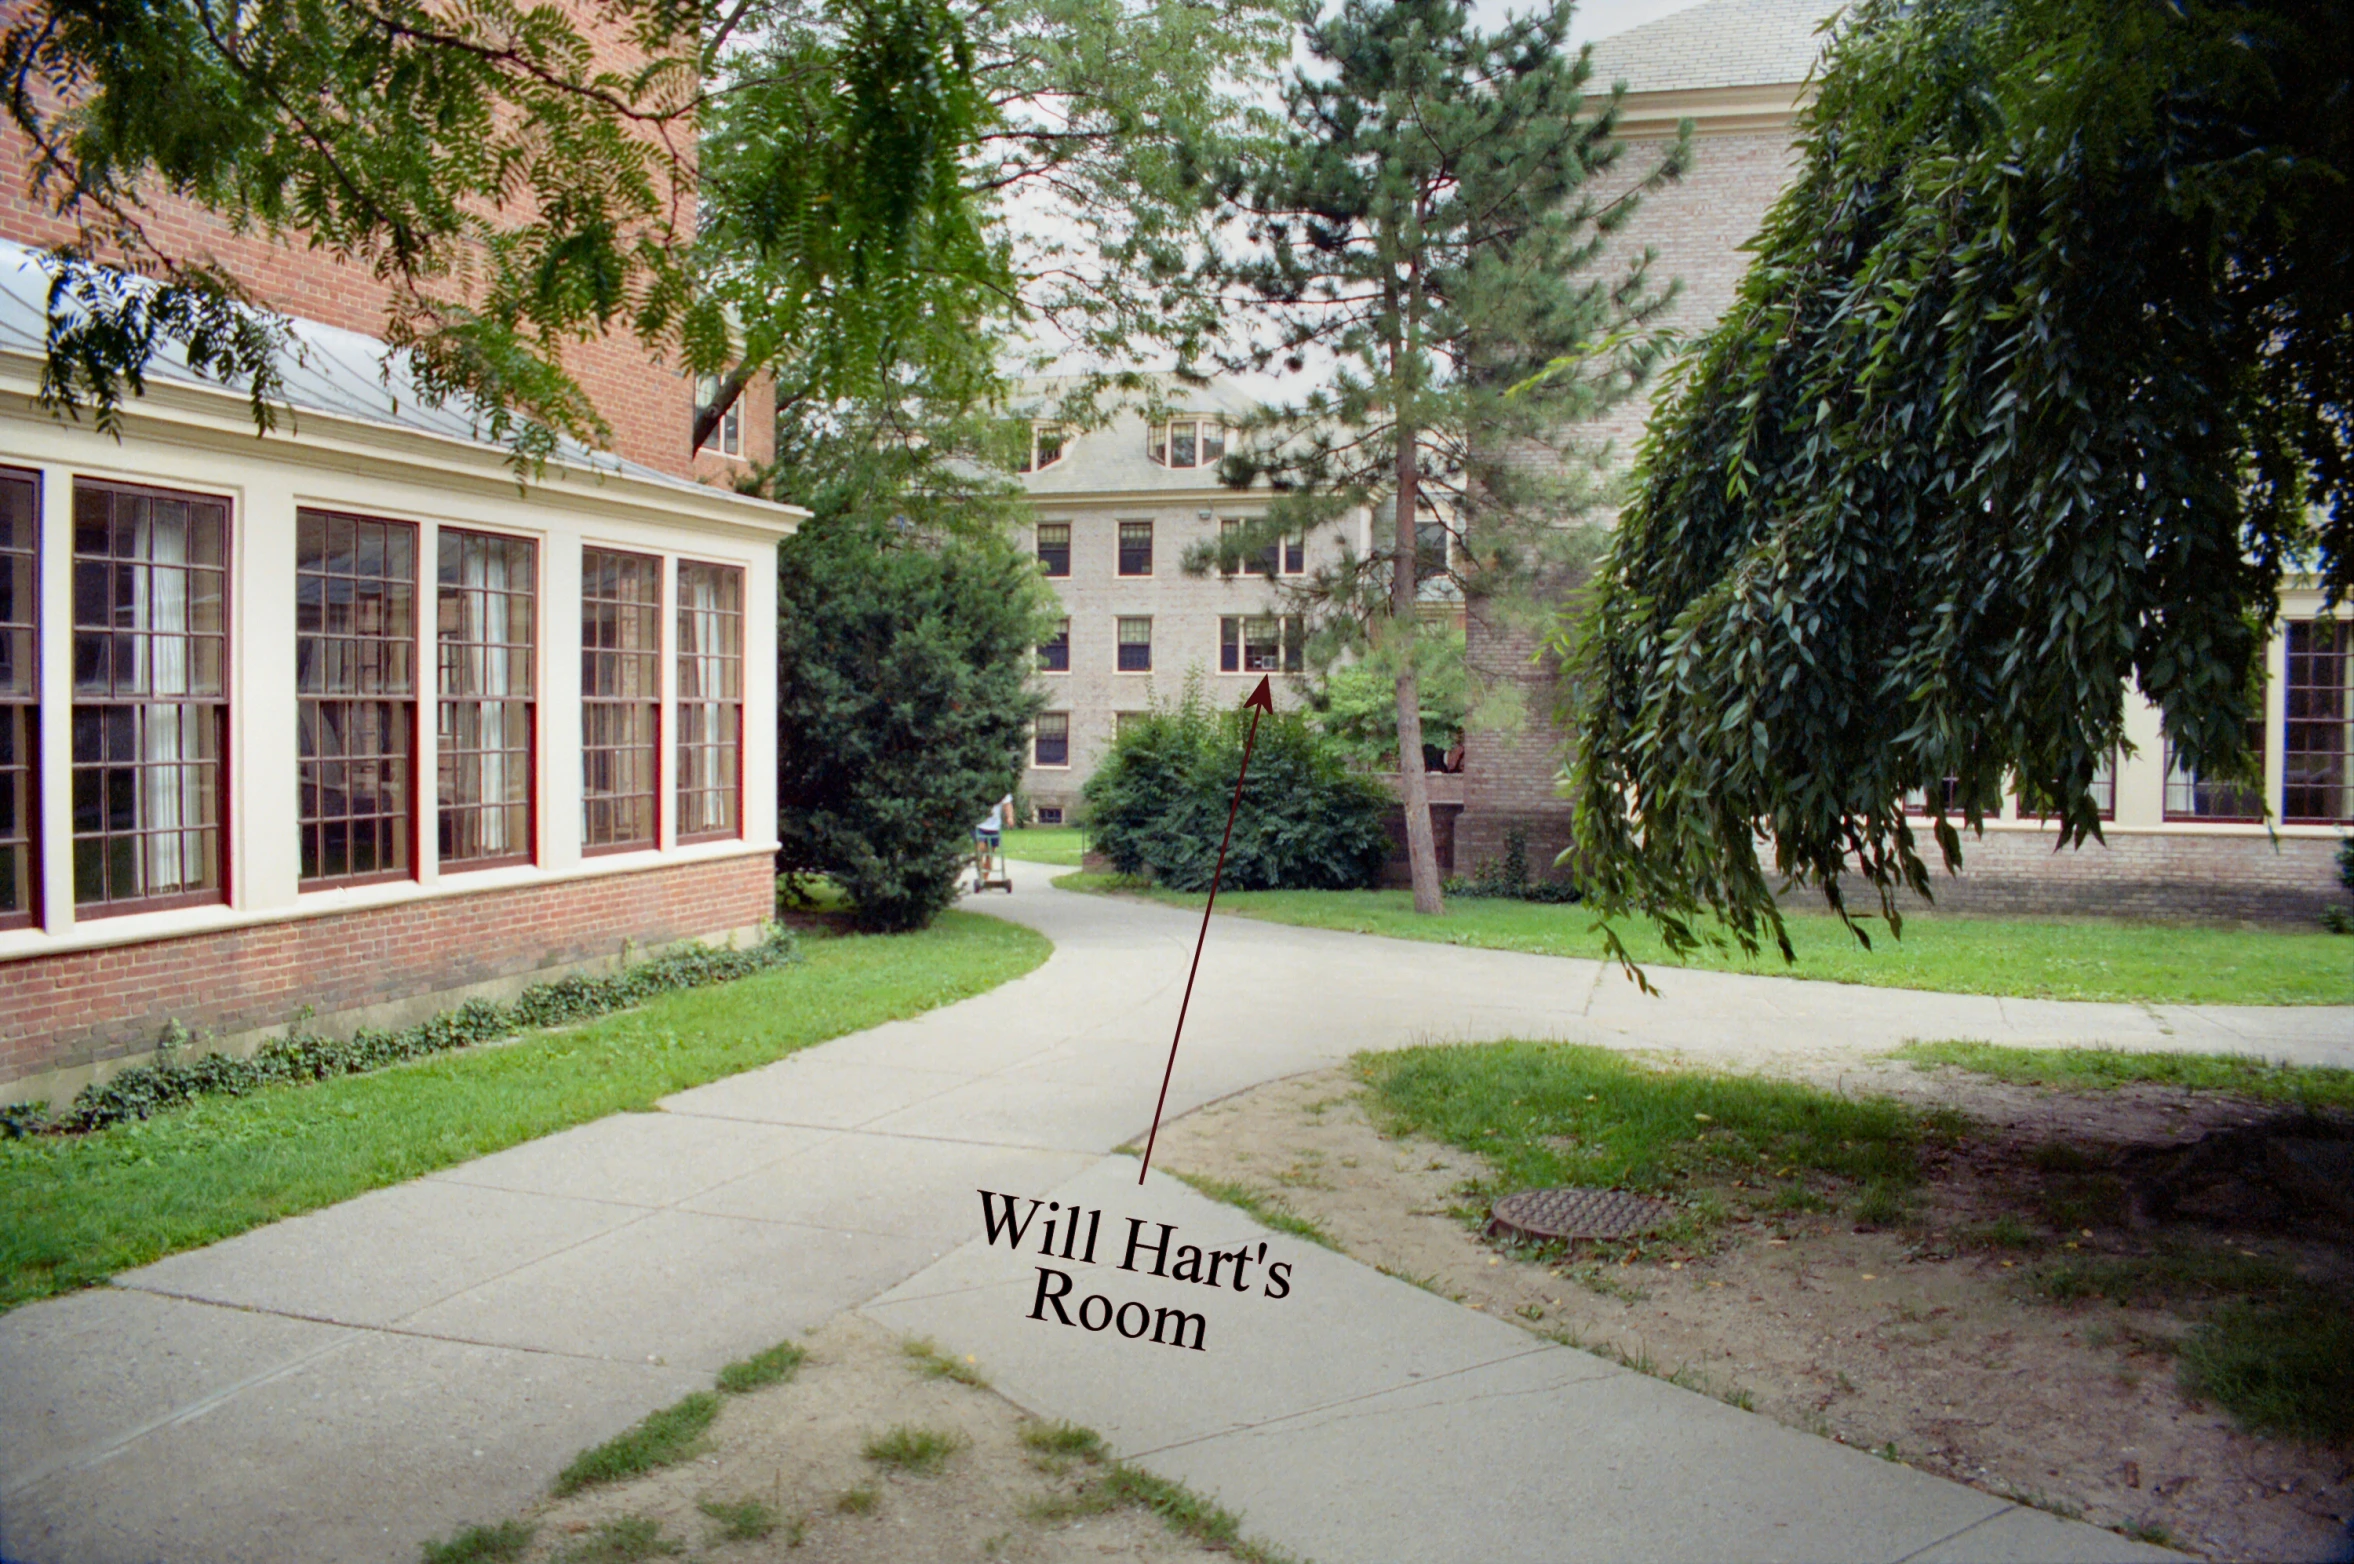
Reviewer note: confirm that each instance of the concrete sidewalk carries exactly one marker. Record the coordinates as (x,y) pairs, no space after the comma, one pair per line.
(343,1384)
(1361,1418)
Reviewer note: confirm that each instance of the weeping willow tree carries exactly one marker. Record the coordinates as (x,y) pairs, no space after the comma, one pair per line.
(2042,374)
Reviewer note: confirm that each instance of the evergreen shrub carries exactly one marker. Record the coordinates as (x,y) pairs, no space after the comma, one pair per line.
(1156,806)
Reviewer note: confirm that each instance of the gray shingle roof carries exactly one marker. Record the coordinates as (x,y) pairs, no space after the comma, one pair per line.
(1718,43)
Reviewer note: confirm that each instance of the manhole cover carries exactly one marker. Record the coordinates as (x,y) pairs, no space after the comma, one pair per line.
(1577,1213)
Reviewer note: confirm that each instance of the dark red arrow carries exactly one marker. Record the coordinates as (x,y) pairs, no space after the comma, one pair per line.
(1262,700)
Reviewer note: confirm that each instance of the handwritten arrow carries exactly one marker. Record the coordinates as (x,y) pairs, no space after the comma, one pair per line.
(1261,700)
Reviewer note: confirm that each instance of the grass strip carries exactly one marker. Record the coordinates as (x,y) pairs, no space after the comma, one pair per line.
(772,1367)
(74,1210)
(300,1058)
(1054,844)
(1180,1509)
(2032,958)
(483,1544)
(626,1539)
(920,1450)
(1561,1113)
(2106,1069)
(1263,1209)
(925,1357)
(660,1439)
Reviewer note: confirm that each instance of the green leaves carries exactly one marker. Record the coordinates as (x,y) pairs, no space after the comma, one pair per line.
(1158,803)
(903,708)
(502,180)
(2011,407)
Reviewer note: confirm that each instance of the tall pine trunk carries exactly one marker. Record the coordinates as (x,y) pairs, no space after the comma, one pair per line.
(1413,787)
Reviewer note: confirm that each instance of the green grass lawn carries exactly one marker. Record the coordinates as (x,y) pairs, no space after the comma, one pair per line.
(2104,1069)
(1058,844)
(2033,958)
(1554,1113)
(75,1210)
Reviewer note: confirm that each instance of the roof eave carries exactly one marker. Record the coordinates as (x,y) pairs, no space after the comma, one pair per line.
(1769,106)
(218,418)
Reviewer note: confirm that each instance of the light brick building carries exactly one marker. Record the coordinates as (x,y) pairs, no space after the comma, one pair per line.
(2175,846)
(347,722)
(1117,508)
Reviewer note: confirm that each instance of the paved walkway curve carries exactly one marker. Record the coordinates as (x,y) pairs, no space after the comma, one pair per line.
(340,1385)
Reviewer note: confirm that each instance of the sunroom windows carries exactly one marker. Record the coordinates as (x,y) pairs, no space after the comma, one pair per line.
(150,698)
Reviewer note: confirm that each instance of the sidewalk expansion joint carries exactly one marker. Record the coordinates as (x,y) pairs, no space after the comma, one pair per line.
(2001,1508)
(1369,1395)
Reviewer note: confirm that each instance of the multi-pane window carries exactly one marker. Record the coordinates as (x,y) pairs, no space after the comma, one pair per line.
(2317,760)
(485,617)
(20,695)
(1135,548)
(710,700)
(1046,448)
(1431,539)
(355,680)
(151,706)
(1948,794)
(1186,442)
(1135,655)
(1054,655)
(2190,796)
(1267,558)
(1052,739)
(621,696)
(1295,556)
(1054,547)
(1262,643)
(1050,814)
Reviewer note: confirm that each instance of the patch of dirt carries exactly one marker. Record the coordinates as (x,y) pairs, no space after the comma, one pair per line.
(795,1447)
(1922,1342)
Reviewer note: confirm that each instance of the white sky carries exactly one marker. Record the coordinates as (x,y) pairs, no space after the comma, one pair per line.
(1592,19)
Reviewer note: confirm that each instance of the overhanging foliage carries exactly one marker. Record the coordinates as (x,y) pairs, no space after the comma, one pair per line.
(2040,378)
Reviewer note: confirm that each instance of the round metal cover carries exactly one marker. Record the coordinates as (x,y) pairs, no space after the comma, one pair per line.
(1578,1213)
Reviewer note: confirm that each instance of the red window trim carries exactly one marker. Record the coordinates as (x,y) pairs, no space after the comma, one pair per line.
(33,915)
(529,857)
(225,778)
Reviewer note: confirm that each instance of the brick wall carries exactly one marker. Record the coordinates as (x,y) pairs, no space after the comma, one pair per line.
(2164,876)
(650,407)
(79,1009)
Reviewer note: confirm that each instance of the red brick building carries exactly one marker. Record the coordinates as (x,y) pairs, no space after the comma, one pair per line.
(345,722)
(2177,846)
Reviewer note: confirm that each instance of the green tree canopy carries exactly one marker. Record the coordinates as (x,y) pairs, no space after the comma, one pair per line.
(1429,237)
(521,189)
(2043,372)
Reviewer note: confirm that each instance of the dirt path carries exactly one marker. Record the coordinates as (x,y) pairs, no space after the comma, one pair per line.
(1916,1341)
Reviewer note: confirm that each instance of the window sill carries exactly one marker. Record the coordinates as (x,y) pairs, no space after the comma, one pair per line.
(137,928)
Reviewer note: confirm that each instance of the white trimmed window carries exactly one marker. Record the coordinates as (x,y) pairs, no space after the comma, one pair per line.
(1186,442)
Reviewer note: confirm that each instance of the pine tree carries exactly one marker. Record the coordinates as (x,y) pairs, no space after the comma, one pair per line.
(1431,230)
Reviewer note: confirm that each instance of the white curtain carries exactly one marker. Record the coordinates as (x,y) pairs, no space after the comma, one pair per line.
(170,787)
(702,679)
(485,567)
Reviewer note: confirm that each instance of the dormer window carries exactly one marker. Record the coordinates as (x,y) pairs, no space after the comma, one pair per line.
(1046,448)
(1187,442)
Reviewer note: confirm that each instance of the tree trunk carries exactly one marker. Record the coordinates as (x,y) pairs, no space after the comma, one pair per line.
(1413,787)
